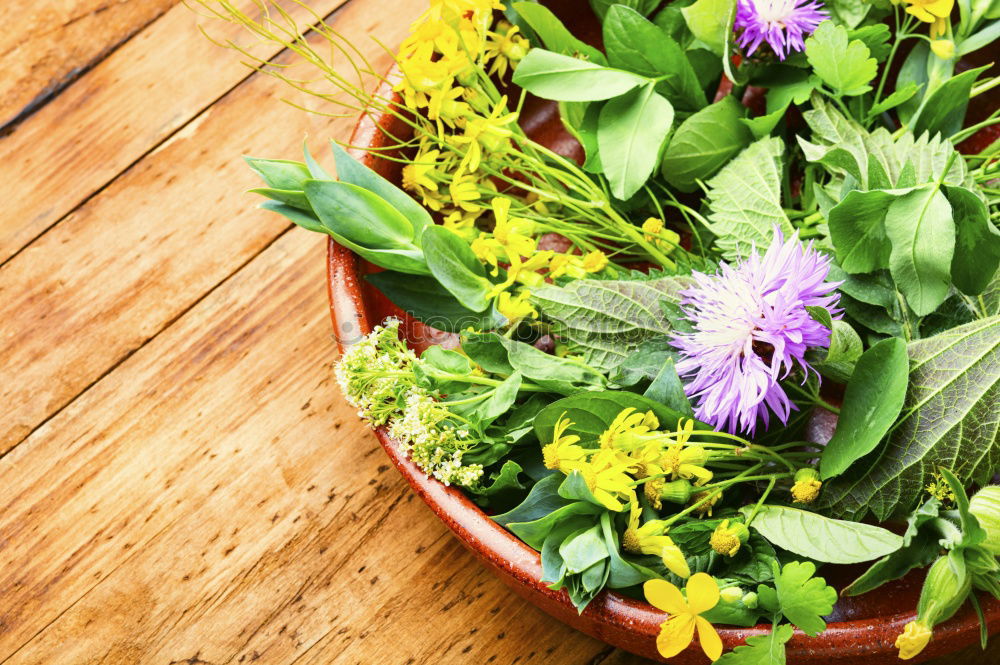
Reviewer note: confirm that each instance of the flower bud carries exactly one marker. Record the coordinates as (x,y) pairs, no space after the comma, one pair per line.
(806,486)
(913,639)
(659,490)
(731,595)
(728,537)
(943,48)
(750,600)
(985,505)
(943,593)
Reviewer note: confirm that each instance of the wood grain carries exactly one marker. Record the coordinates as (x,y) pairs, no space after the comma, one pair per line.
(113,115)
(122,266)
(213,499)
(46,44)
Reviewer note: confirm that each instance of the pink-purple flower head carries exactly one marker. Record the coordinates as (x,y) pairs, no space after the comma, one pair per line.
(783,24)
(750,330)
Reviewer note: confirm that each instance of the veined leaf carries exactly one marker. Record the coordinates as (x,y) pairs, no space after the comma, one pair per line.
(565,79)
(951,418)
(704,143)
(821,538)
(607,319)
(845,65)
(857,228)
(745,199)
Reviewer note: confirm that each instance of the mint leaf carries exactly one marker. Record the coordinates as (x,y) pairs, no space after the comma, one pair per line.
(745,199)
(761,650)
(845,65)
(606,320)
(802,598)
(821,538)
(951,418)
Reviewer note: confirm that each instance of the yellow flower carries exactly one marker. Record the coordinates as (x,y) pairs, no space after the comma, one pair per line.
(659,490)
(444,104)
(577,266)
(464,190)
(512,232)
(628,429)
(516,307)
(930,10)
(727,539)
(913,639)
(607,479)
(651,228)
(421,75)
(940,489)
(489,133)
(563,454)
(686,461)
(705,501)
(677,632)
(419,175)
(595,261)
(806,486)
(505,47)
(652,538)
(943,48)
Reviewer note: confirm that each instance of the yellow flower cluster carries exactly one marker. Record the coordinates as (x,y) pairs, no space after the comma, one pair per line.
(935,12)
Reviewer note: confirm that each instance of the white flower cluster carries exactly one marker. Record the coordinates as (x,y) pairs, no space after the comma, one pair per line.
(376,377)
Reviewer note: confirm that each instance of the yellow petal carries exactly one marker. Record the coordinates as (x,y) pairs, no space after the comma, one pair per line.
(710,641)
(675,562)
(702,593)
(664,595)
(675,634)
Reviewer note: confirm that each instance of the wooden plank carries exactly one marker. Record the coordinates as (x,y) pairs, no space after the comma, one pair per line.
(53,41)
(113,115)
(122,266)
(214,500)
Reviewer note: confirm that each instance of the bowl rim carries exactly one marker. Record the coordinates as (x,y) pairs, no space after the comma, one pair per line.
(614,618)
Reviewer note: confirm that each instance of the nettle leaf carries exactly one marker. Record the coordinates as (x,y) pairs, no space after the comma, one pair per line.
(873,400)
(606,320)
(566,79)
(802,598)
(920,227)
(760,650)
(820,538)
(844,65)
(745,199)
(704,143)
(631,130)
(950,419)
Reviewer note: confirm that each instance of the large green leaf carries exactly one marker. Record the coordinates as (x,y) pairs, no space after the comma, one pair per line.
(844,65)
(423,298)
(563,78)
(820,538)
(977,242)
(704,143)
(605,320)
(950,418)
(857,228)
(873,400)
(711,22)
(553,33)
(457,269)
(631,130)
(745,199)
(359,215)
(920,227)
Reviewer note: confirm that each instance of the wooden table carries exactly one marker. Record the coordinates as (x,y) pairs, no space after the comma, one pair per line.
(180,480)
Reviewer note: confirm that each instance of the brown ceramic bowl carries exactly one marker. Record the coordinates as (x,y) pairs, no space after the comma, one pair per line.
(860,630)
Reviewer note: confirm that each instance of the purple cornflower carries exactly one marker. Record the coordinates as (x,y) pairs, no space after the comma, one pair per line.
(781,23)
(751,328)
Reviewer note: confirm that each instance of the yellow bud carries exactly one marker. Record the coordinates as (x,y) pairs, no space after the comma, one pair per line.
(943,48)
(913,639)
(731,595)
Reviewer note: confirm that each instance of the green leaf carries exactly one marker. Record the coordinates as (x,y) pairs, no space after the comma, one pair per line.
(643,7)
(565,79)
(501,400)
(423,298)
(354,172)
(360,216)
(637,45)
(848,13)
(844,65)
(668,389)
(300,217)
(584,550)
(561,375)
(710,21)
(920,227)
(745,199)
(857,229)
(280,173)
(553,33)
(536,531)
(977,242)
(631,131)
(899,96)
(760,650)
(606,320)
(944,110)
(804,599)
(876,37)
(541,500)
(704,143)
(505,480)
(950,419)
(453,264)
(873,400)
(821,538)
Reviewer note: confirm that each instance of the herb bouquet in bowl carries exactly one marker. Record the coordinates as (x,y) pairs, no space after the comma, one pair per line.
(707,296)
